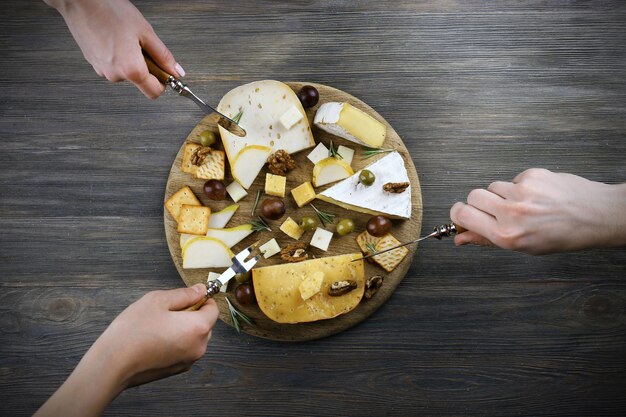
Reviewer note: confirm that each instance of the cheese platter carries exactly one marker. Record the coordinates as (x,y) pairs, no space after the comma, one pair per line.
(317,191)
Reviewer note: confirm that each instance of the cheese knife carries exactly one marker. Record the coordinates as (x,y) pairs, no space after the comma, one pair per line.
(215,117)
(240,265)
(443,230)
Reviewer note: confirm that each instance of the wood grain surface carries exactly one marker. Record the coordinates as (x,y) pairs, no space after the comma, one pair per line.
(478,90)
(403,230)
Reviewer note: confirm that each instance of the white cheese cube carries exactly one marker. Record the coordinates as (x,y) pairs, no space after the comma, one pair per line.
(269,248)
(346,153)
(236,191)
(290,117)
(321,238)
(320,152)
(213,276)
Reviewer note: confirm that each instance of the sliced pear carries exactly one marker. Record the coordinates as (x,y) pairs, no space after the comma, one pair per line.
(248,164)
(330,170)
(184,238)
(220,219)
(206,252)
(231,236)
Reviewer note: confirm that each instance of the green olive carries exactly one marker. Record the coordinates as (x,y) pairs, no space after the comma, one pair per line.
(243,277)
(207,138)
(308,223)
(345,227)
(367,177)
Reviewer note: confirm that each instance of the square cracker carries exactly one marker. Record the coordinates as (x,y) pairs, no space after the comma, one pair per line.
(188,151)
(212,167)
(389,260)
(363,239)
(194,219)
(180,197)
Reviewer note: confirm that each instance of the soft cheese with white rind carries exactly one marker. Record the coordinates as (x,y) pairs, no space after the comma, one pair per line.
(348,122)
(352,195)
(262,104)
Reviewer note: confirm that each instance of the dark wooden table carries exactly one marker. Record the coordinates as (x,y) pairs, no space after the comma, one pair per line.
(479,92)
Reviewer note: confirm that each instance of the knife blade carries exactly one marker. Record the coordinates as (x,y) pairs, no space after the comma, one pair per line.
(443,230)
(215,117)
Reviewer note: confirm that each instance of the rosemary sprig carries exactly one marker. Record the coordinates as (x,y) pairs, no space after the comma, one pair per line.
(260,224)
(332,152)
(237,117)
(371,248)
(323,216)
(369,152)
(235,315)
(256,202)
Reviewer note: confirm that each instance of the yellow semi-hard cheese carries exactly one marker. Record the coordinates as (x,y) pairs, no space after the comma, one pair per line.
(348,122)
(277,288)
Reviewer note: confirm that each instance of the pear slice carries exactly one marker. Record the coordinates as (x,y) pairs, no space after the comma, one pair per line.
(248,164)
(330,170)
(206,252)
(220,219)
(231,236)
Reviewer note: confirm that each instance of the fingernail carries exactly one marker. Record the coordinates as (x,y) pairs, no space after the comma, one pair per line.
(180,70)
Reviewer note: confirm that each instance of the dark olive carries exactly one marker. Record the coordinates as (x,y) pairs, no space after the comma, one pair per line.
(215,190)
(273,208)
(243,277)
(308,96)
(245,294)
(378,226)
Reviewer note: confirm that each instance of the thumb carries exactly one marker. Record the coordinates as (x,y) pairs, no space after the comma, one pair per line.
(161,54)
(181,298)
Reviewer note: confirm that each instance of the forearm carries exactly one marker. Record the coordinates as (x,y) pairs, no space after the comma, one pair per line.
(88,390)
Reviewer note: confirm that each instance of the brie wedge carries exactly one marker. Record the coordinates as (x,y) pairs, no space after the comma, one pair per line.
(348,122)
(262,104)
(352,195)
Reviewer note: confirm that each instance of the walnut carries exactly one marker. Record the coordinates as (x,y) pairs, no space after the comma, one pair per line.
(280,162)
(200,155)
(295,252)
(339,288)
(372,285)
(395,187)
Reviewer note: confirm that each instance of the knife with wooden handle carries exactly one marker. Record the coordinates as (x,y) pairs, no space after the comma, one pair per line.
(443,230)
(181,88)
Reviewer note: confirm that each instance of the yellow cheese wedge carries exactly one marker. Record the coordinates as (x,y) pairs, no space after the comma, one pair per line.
(277,288)
(348,122)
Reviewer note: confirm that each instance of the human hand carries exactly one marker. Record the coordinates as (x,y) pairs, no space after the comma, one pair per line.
(111,35)
(152,339)
(542,212)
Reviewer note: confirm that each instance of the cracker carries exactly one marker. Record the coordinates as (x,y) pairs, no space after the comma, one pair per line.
(389,260)
(213,166)
(194,219)
(364,240)
(180,197)
(188,151)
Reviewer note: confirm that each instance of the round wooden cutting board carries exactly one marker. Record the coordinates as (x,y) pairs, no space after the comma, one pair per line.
(403,230)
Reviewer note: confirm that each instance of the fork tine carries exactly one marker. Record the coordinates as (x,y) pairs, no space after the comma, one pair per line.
(249,264)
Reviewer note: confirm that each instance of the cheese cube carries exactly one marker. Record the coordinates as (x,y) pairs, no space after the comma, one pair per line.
(321,238)
(318,153)
(346,153)
(290,117)
(275,185)
(303,194)
(311,284)
(348,122)
(236,191)
(214,276)
(269,248)
(291,229)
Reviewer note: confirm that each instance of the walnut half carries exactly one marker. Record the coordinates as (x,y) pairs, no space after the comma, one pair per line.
(295,252)
(280,162)
(200,155)
(395,187)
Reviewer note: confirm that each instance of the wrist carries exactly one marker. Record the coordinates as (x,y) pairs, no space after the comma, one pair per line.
(616,216)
